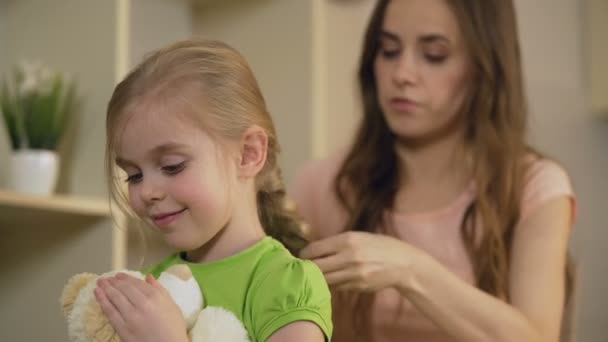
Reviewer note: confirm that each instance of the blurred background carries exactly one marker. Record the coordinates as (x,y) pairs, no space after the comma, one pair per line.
(304,54)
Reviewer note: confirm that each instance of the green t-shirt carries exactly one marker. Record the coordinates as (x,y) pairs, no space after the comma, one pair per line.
(264,286)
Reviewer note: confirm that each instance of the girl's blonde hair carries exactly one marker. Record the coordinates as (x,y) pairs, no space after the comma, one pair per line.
(226,88)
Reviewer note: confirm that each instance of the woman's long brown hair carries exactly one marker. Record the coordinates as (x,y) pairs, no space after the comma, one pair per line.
(495,120)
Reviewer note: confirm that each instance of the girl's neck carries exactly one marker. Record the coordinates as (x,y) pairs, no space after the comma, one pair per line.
(225,244)
(242,230)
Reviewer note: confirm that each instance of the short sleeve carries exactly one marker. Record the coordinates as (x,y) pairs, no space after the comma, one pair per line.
(295,291)
(545,180)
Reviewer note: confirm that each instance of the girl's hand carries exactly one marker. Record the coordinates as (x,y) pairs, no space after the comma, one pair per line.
(140,310)
(363,261)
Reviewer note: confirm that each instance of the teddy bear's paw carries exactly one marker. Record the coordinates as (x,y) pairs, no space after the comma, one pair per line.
(184,290)
(71,290)
(217,324)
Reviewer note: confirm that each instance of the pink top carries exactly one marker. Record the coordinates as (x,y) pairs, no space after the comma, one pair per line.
(436,232)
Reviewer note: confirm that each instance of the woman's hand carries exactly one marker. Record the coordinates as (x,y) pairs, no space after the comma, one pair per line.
(363,261)
(140,310)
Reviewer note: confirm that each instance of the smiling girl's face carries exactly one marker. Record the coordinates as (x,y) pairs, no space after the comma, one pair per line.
(178,178)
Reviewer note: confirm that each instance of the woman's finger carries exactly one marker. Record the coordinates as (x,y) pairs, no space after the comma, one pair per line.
(331,263)
(353,286)
(339,277)
(324,247)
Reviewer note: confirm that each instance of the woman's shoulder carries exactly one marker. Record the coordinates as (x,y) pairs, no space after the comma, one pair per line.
(539,167)
(316,170)
(544,179)
(313,193)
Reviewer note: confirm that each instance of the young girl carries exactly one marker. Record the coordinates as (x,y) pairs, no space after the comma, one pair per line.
(439,223)
(190,129)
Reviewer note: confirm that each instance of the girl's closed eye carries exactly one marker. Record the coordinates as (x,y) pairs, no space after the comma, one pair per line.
(134,178)
(174,168)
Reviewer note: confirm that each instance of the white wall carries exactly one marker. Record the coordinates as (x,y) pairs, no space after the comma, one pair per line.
(76,37)
(345,23)
(596,16)
(563,126)
(275,38)
(156,23)
(4,143)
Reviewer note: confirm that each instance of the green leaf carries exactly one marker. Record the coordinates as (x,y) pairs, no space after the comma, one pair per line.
(13,119)
(38,119)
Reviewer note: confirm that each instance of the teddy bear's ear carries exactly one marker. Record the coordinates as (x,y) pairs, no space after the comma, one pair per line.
(181,271)
(71,290)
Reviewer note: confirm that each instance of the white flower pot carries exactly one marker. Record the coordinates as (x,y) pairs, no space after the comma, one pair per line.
(33,171)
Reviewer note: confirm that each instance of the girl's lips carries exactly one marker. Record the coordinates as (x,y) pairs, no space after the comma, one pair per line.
(168,218)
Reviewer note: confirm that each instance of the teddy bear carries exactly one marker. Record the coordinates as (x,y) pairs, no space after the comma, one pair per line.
(87,323)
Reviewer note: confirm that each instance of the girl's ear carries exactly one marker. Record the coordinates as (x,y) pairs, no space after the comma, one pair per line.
(253,150)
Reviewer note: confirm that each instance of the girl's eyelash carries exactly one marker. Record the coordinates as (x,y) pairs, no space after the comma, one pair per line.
(169,169)
(134,178)
(174,169)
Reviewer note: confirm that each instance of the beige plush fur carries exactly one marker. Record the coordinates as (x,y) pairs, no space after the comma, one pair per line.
(87,323)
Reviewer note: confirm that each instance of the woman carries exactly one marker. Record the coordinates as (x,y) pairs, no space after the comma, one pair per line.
(440,223)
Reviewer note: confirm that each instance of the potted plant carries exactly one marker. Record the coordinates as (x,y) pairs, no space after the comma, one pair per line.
(37,105)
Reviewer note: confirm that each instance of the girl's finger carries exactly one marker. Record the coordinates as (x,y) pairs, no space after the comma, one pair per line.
(135,290)
(109,310)
(154,285)
(115,296)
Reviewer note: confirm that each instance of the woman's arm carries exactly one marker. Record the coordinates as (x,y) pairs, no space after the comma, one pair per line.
(537,286)
(369,262)
(300,331)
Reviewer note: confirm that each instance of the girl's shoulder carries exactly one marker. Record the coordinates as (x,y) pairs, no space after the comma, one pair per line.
(279,267)
(287,289)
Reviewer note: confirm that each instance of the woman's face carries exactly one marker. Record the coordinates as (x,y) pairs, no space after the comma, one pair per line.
(422,69)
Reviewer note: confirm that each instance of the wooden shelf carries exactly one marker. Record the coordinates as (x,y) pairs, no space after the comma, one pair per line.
(19,208)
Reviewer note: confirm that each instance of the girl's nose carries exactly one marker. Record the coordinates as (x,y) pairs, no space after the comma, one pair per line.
(151,191)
